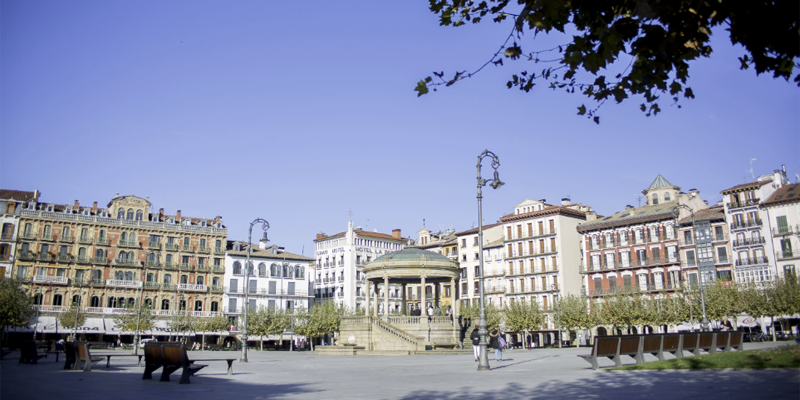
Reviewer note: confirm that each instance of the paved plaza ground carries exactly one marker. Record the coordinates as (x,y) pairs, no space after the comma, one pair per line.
(524,374)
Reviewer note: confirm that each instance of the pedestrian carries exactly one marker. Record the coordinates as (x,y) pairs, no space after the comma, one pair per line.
(476,341)
(430,311)
(725,325)
(119,343)
(497,342)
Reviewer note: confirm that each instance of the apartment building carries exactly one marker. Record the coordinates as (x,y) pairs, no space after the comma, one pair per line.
(276,279)
(751,240)
(11,204)
(782,210)
(444,243)
(705,238)
(542,250)
(340,261)
(105,258)
(469,261)
(639,246)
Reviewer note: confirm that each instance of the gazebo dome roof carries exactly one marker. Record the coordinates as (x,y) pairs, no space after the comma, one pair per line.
(412,253)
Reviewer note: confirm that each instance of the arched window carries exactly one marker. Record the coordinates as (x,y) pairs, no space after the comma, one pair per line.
(169,259)
(28,232)
(129,276)
(37,299)
(82,252)
(215,281)
(286,272)
(130,214)
(76,300)
(97,276)
(214,306)
(102,235)
(237,268)
(95,302)
(112,302)
(139,215)
(47,231)
(65,232)
(57,300)
(84,234)
(182,305)
(167,278)
(250,269)
(273,270)
(165,304)
(151,277)
(152,259)
(119,275)
(131,301)
(122,257)
(124,237)
(184,279)
(299,272)
(262,269)
(200,280)
(148,303)
(666,196)
(655,198)
(121,214)
(198,305)
(99,253)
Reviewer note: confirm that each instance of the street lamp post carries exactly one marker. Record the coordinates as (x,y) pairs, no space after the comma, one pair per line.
(139,313)
(483,364)
(676,212)
(264,226)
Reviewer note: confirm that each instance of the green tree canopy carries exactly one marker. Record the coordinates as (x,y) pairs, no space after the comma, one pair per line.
(216,323)
(127,317)
(15,304)
(472,312)
(617,49)
(574,313)
(267,321)
(73,317)
(321,319)
(522,315)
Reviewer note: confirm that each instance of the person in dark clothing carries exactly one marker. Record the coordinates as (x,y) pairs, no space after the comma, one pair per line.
(494,341)
(476,341)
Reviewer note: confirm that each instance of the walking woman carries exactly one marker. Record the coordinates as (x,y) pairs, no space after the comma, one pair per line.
(495,341)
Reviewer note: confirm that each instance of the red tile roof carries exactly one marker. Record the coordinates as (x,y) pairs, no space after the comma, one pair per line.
(18,195)
(567,211)
(363,233)
(748,185)
(786,194)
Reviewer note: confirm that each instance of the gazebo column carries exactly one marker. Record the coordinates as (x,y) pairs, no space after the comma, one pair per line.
(423,306)
(455,295)
(375,293)
(366,309)
(436,295)
(386,297)
(404,305)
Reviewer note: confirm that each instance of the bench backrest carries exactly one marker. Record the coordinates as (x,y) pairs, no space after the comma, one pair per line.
(152,354)
(722,339)
(736,338)
(83,350)
(629,344)
(706,339)
(690,340)
(652,344)
(174,355)
(606,345)
(671,342)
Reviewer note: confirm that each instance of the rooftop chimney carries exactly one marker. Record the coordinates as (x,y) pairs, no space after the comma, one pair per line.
(178,216)
(320,236)
(94,208)
(628,207)
(396,233)
(36,195)
(76,206)
(565,201)
(591,216)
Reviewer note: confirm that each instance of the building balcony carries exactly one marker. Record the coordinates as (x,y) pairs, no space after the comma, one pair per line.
(186,267)
(6,258)
(66,239)
(744,203)
(26,256)
(170,265)
(103,242)
(187,248)
(528,235)
(751,261)
(123,283)
(64,258)
(28,235)
(153,245)
(788,255)
(204,249)
(127,263)
(7,236)
(152,264)
(217,289)
(746,224)
(219,250)
(97,283)
(52,280)
(47,236)
(100,260)
(526,253)
(192,288)
(85,239)
(168,286)
(218,270)
(151,285)
(44,257)
(171,247)
(785,230)
(749,242)
(129,243)
(203,268)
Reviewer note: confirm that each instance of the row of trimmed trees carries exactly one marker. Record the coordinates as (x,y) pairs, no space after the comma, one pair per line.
(629,309)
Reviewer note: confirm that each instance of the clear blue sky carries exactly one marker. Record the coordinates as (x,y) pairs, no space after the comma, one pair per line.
(301,112)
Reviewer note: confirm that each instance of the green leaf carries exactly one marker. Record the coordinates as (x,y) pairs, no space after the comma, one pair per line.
(597,120)
(582,110)
(422,88)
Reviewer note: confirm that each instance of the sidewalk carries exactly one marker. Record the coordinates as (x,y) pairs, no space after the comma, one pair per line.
(524,374)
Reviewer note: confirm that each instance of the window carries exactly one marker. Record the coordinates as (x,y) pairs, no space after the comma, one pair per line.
(234,285)
(237,268)
(690,260)
(121,214)
(666,196)
(167,278)
(165,304)
(57,300)
(783,227)
(273,270)
(655,199)
(94,302)
(722,254)
(214,306)
(139,215)
(198,305)
(262,269)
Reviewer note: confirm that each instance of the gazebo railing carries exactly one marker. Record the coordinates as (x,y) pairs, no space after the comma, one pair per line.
(388,328)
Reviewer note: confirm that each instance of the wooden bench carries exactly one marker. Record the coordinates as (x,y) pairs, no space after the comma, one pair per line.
(228,360)
(630,346)
(736,341)
(653,344)
(82,355)
(721,341)
(28,353)
(604,346)
(171,356)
